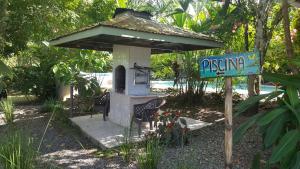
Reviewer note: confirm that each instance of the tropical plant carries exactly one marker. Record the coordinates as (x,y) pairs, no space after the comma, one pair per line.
(150,155)
(172,129)
(8,109)
(17,151)
(4,71)
(126,146)
(280,127)
(51,105)
(34,80)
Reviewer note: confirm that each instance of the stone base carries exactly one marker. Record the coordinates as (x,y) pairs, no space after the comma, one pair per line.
(107,134)
(121,107)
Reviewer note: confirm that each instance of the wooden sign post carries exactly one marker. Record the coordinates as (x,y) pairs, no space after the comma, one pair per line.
(229,65)
(228,123)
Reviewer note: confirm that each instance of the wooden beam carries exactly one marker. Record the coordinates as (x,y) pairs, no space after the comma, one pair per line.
(228,123)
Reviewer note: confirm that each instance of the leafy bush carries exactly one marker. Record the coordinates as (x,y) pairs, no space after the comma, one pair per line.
(8,109)
(151,154)
(57,108)
(172,130)
(280,127)
(86,87)
(17,152)
(51,105)
(34,80)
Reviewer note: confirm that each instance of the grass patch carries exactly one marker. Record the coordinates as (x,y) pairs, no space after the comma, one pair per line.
(127,146)
(23,99)
(150,155)
(110,153)
(17,151)
(51,105)
(8,109)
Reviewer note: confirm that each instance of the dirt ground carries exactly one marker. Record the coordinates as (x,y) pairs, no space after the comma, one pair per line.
(65,147)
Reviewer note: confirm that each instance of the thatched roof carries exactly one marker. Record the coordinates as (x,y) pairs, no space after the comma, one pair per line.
(129,29)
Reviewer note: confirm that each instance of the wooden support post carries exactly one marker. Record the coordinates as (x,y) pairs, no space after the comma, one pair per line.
(228,123)
(72,98)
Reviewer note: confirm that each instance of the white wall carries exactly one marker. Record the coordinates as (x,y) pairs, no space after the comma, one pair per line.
(121,105)
(127,56)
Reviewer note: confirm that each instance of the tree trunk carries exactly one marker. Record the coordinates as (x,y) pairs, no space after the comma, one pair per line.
(287,34)
(260,44)
(3,13)
(246,36)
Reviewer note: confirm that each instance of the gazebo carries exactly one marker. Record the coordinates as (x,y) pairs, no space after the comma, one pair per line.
(132,37)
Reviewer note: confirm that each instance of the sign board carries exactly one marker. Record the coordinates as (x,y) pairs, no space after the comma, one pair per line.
(239,64)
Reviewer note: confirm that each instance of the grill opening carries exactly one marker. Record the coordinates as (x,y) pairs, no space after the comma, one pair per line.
(120,77)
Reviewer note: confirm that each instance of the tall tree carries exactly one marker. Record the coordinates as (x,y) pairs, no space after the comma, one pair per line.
(263,36)
(287,34)
(3,13)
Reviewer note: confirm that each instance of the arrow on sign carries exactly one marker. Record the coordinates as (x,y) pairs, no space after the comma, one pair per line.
(220,73)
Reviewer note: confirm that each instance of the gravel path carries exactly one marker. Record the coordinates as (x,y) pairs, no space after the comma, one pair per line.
(206,150)
(66,148)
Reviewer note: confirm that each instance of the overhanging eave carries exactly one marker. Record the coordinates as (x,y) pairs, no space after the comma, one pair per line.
(131,38)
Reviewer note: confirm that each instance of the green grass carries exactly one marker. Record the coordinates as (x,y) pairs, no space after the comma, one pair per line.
(51,105)
(127,146)
(8,109)
(23,99)
(17,152)
(56,107)
(150,156)
(109,153)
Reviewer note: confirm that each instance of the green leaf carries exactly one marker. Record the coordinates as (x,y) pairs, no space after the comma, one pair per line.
(122,3)
(274,94)
(292,93)
(4,70)
(285,80)
(287,144)
(245,105)
(238,134)
(293,110)
(268,117)
(2,85)
(274,130)
(256,162)
(297,164)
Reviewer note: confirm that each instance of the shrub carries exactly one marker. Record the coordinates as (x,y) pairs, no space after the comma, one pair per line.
(172,130)
(17,152)
(8,109)
(35,80)
(57,108)
(51,105)
(151,154)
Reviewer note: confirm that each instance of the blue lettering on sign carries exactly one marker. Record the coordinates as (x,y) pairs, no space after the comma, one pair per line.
(240,64)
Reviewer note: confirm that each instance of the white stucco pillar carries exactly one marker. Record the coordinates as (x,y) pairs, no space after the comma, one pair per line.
(121,103)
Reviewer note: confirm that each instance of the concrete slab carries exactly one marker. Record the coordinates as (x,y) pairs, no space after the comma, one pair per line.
(107,134)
